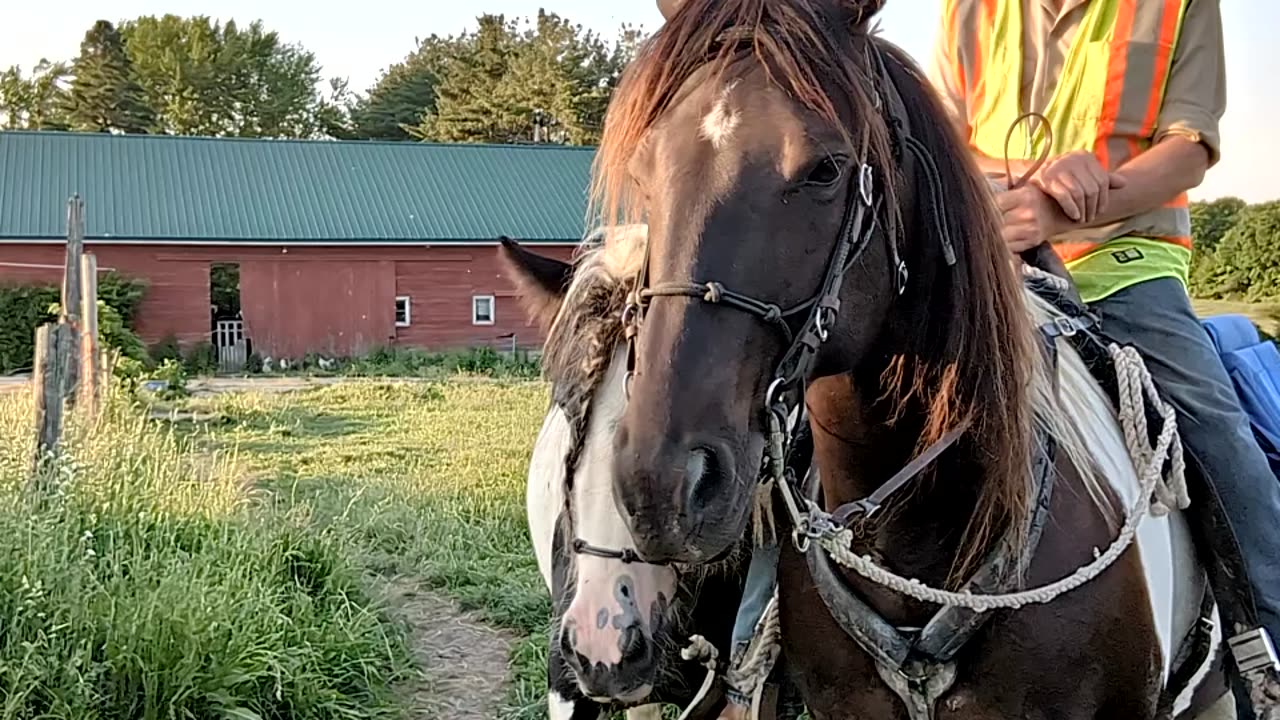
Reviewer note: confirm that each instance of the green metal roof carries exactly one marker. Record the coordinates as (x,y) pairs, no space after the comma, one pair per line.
(218,190)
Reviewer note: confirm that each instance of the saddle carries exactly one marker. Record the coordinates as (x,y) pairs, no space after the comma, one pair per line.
(1216,544)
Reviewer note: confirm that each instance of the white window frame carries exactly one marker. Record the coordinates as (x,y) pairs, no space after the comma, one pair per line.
(493,310)
(408,310)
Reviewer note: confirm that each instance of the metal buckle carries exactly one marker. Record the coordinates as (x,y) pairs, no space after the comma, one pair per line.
(903,276)
(1065,326)
(1253,651)
(865,182)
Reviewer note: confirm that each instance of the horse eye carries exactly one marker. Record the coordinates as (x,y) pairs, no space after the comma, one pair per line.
(826,172)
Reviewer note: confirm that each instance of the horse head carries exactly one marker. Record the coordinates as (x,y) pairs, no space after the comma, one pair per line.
(614,616)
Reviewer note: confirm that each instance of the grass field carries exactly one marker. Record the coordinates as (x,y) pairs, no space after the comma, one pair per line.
(227,568)
(1265,315)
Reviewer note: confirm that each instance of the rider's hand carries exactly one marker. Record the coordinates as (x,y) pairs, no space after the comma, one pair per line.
(1030,217)
(1079,184)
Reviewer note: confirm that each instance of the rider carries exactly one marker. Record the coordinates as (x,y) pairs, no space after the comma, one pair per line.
(1133,93)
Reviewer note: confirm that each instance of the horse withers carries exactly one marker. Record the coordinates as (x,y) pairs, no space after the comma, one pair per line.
(818,234)
(619,624)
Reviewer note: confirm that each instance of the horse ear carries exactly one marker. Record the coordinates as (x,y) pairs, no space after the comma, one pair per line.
(668,8)
(540,280)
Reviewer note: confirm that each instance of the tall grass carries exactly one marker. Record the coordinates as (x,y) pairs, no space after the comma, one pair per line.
(426,478)
(153,582)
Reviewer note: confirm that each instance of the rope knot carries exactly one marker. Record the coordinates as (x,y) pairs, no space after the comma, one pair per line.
(772,314)
(715,292)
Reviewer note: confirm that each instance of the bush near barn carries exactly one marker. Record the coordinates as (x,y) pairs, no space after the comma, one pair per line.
(23,308)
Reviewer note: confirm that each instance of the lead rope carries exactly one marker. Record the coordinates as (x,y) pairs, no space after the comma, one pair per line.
(1156,495)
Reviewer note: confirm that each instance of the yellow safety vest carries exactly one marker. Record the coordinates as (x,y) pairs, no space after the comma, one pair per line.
(1107,101)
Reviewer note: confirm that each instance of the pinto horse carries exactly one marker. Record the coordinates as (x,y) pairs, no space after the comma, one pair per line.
(619,623)
(818,234)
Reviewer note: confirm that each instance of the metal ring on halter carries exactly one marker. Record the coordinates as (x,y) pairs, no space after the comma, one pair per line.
(865,182)
(629,313)
(800,539)
(626,383)
(902,276)
(769,399)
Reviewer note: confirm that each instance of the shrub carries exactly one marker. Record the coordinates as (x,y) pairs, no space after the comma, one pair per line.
(23,308)
(201,359)
(167,349)
(174,377)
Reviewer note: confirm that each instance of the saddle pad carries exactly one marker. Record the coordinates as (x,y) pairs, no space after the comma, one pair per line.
(1254,368)
(1231,332)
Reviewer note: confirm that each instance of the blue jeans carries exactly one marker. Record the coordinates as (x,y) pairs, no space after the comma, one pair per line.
(1156,318)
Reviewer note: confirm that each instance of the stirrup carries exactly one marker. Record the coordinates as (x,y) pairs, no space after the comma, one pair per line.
(1254,652)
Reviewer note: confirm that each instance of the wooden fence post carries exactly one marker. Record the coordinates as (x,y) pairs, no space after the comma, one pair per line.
(48,382)
(90,360)
(71,282)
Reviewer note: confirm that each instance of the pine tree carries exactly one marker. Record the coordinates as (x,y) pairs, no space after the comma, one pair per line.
(104,96)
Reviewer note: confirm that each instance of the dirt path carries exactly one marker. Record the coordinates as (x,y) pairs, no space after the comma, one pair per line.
(464,661)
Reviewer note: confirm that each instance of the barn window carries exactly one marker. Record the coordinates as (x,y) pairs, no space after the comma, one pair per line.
(482,310)
(402,311)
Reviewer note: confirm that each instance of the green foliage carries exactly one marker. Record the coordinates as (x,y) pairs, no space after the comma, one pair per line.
(104,95)
(224,289)
(33,102)
(501,80)
(23,308)
(404,94)
(167,349)
(123,294)
(154,585)
(201,359)
(173,376)
(203,77)
(415,363)
(1246,263)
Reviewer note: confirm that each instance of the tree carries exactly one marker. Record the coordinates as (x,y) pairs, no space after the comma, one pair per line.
(1210,221)
(104,97)
(503,83)
(35,102)
(1246,264)
(405,93)
(206,78)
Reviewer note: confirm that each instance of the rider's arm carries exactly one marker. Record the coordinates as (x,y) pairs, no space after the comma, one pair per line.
(1186,130)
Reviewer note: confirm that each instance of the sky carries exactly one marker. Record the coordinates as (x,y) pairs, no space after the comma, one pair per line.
(359,41)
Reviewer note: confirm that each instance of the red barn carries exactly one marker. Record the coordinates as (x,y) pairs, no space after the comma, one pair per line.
(339,247)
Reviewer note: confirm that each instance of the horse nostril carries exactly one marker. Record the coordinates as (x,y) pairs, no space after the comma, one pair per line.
(633,644)
(704,472)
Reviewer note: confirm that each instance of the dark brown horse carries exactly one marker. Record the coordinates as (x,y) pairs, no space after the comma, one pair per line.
(816,227)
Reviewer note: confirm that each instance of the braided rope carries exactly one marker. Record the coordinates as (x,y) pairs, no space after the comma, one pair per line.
(1135,386)
(749,671)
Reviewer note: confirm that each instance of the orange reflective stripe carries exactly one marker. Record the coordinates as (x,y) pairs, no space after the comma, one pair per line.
(986,19)
(1164,48)
(1070,251)
(1117,64)
(952,29)
(1180,202)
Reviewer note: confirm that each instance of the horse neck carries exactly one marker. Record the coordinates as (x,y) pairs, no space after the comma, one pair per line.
(858,447)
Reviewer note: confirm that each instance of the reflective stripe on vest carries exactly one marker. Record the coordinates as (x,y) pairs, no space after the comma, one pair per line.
(1107,99)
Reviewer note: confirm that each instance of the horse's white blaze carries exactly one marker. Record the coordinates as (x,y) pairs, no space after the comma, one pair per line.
(722,121)
(1174,579)
(608,595)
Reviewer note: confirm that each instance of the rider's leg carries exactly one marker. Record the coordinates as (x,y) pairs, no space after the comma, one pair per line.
(762,575)
(1156,317)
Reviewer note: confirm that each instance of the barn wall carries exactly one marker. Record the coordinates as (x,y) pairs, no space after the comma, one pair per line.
(296,300)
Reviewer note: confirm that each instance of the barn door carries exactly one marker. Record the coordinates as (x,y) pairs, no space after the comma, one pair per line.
(232,350)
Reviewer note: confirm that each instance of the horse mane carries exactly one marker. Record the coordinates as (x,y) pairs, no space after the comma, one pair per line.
(814,50)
